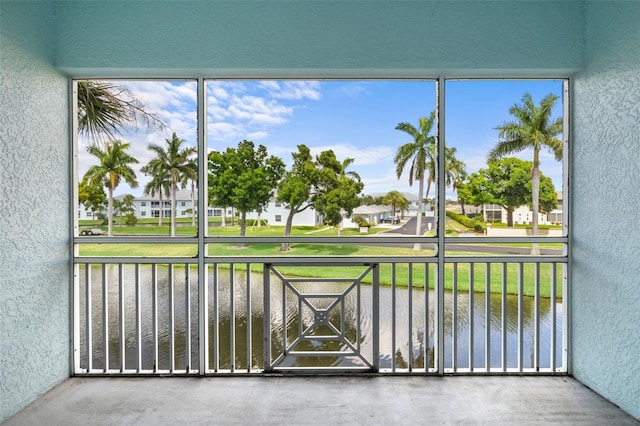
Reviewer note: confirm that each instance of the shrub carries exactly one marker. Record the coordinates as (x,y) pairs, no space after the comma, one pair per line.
(130,219)
(361,222)
(476,225)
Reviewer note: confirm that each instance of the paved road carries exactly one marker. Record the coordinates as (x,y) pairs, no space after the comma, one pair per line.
(409,228)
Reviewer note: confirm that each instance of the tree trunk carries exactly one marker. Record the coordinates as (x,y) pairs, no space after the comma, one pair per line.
(193,204)
(160,217)
(287,230)
(509,210)
(110,212)
(173,210)
(224,216)
(418,246)
(535,198)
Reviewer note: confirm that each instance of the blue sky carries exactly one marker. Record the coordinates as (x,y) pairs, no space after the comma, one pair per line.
(356,119)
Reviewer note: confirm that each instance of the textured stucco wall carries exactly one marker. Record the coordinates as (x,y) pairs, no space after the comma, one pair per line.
(34,254)
(321,38)
(606,198)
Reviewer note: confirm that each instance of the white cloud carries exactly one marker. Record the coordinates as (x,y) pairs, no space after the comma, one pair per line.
(363,157)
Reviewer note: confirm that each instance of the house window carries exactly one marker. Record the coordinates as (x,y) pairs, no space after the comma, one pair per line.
(143,213)
(278,218)
(183,203)
(278,204)
(143,203)
(155,204)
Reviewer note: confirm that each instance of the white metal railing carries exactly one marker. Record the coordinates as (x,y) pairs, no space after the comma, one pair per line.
(157,316)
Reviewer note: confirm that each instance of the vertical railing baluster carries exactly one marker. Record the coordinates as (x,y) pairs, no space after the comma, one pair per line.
(154,308)
(266,317)
(487,318)
(425,324)
(121,319)
(536,318)
(471,315)
(204,347)
(410,321)
(89,318)
(172,321)
(565,318)
(187,311)
(248,317)
(552,300)
(358,315)
(520,315)
(504,316)
(105,318)
(216,318)
(138,320)
(454,319)
(393,319)
(284,316)
(376,317)
(232,317)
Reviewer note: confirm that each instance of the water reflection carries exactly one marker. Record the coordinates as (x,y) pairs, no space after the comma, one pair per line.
(236,341)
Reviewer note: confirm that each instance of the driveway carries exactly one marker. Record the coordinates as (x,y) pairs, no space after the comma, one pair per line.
(409,228)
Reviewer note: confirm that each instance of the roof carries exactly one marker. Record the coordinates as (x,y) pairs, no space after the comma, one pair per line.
(367,210)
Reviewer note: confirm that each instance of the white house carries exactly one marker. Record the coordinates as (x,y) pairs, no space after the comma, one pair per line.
(523,214)
(276,214)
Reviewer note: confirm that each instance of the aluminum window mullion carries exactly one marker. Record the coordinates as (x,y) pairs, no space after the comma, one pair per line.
(440,225)
(203,284)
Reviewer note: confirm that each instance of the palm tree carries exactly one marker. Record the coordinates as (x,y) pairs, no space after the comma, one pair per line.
(421,153)
(114,166)
(395,199)
(532,128)
(455,171)
(190,175)
(159,184)
(175,161)
(104,110)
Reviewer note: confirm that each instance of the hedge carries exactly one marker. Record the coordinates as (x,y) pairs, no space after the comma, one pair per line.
(474,224)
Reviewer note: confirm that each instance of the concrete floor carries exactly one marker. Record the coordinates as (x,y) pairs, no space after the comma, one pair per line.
(322,400)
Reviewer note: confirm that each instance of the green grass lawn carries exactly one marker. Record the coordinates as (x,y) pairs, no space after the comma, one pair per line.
(332,250)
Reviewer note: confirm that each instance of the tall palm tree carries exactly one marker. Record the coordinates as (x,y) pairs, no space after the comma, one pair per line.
(190,175)
(421,154)
(159,184)
(456,170)
(175,161)
(532,128)
(105,109)
(114,166)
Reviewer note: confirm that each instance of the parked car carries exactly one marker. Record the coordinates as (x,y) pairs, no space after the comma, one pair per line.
(390,220)
(93,231)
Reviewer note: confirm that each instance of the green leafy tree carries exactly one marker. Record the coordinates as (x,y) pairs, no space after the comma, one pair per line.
(531,128)
(396,200)
(338,190)
(175,162)
(114,165)
(92,196)
(124,207)
(244,178)
(323,183)
(420,156)
(294,190)
(105,110)
(507,183)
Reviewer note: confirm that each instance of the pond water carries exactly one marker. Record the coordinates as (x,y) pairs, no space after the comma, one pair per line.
(414,337)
